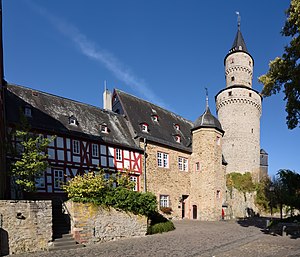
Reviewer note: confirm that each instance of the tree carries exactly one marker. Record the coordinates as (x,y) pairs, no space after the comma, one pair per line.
(284,71)
(31,162)
(286,186)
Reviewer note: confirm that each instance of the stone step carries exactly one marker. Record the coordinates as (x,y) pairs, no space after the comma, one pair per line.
(65,241)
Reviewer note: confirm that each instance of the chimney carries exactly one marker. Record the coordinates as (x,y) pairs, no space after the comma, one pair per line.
(107,98)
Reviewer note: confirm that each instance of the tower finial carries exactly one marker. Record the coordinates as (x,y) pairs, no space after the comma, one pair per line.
(105,88)
(206,92)
(238,19)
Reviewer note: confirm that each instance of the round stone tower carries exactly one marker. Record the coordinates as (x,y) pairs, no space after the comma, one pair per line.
(239,110)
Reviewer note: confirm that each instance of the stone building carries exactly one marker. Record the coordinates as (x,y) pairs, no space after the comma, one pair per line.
(183,163)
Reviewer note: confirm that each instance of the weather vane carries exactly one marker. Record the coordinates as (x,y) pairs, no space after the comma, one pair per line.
(238,19)
(206,92)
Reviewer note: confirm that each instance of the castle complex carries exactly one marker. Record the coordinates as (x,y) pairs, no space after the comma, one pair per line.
(183,163)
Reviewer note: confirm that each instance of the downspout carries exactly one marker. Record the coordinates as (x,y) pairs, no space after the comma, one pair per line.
(145,175)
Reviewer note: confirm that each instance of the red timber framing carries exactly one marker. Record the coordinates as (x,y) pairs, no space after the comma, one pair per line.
(69,157)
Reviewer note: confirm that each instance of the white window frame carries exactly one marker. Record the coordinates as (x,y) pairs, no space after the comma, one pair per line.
(144,127)
(118,154)
(155,118)
(162,160)
(73,121)
(58,176)
(164,201)
(135,180)
(95,150)
(178,138)
(104,128)
(76,146)
(183,164)
(177,127)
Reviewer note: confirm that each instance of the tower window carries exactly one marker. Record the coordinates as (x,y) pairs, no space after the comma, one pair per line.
(144,127)
(232,78)
(250,94)
(197,166)
(230,93)
(252,130)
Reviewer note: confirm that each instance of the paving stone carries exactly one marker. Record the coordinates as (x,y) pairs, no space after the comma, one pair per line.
(192,238)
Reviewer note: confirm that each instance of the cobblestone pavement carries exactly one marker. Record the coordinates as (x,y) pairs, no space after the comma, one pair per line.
(192,238)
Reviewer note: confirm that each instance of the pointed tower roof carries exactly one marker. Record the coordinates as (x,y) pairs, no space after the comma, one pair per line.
(207,120)
(238,43)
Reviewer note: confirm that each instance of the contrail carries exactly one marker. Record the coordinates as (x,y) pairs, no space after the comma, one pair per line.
(90,49)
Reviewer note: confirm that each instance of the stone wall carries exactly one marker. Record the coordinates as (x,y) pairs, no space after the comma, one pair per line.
(168,181)
(26,226)
(238,206)
(92,224)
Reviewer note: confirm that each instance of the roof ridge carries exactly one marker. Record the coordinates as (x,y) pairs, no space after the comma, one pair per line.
(62,97)
(154,105)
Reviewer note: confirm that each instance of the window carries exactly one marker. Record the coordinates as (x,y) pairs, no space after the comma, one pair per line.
(73,121)
(95,152)
(232,78)
(231,60)
(250,94)
(230,93)
(118,155)
(155,118)
(40,181)
(144,127)
(218,194)
(134,180)
(218,140)
(182,164)
(198,166)
(177,138)
(164,200)
(162,160)
(27,111)
(177,127)
(58,178)
(76,147)
(103,128)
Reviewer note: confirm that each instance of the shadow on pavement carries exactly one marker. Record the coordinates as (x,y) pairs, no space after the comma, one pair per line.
(272,227)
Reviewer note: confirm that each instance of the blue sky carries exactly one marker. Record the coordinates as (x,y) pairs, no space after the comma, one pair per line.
(164,51)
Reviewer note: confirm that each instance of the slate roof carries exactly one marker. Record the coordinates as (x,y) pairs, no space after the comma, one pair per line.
(163,131)
(239,43)
(207,120)
(52,113)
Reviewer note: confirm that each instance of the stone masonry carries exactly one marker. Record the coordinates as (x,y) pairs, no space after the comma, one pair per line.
(93,224)
(26,226)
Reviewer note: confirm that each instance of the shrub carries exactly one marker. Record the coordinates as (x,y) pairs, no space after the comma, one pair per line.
(100,191)
(159,224)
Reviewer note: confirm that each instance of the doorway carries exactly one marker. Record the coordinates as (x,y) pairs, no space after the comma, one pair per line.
(183,198)
(194,212)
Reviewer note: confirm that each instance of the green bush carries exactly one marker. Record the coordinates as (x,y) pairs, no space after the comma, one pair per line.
(159,224)
(97,190)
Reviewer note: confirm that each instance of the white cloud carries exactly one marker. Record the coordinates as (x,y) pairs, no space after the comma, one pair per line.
(90,49)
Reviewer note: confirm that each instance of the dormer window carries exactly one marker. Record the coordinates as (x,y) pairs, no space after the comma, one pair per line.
(104,128)
(73,121)
(177,127)
(155,117)
(144,127)
(27,111)
(178,139)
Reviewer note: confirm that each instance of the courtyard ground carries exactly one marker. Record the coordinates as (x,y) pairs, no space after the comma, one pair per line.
(194,238)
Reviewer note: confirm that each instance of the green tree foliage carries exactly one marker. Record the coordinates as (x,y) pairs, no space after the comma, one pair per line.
(284,71)
(31,162)
(263,197)
(115,192)
(241,182)
(287,189)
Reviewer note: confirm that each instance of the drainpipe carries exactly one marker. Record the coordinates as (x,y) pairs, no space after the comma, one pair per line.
(145,175)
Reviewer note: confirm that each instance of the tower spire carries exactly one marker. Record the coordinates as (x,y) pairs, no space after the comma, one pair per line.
(238,20)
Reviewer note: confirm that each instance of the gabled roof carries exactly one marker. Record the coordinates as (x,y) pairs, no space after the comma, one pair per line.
(51,113)
(163,131)
(207,120)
